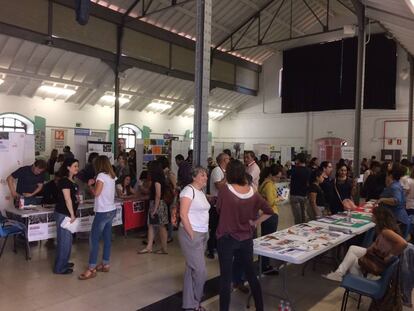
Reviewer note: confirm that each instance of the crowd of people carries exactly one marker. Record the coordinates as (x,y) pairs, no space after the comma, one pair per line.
(216,209)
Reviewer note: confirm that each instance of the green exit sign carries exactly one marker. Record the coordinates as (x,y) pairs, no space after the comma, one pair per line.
(78,124)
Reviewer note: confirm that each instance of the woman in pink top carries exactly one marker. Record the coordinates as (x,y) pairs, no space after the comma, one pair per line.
(238,206)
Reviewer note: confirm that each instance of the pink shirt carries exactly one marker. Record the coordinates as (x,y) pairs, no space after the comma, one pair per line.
(236,210)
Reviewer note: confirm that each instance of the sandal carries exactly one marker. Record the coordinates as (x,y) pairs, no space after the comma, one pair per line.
(103,268)
(144,251)
(161,252)
(88,274)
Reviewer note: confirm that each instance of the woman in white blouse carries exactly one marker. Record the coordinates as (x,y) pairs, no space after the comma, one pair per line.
(193,236)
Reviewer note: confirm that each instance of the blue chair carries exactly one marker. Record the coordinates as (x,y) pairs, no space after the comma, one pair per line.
(365,287)
(12,228)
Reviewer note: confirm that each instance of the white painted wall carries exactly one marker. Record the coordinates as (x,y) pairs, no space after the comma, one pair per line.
(261,121)
(59,114)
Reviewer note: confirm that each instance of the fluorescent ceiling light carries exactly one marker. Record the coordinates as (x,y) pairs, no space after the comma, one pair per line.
(215,114)
(211,114)
(189,111)
(160,105)
(111,99)
(57,90)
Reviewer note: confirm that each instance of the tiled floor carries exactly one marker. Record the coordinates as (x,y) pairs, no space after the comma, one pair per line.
(136,281)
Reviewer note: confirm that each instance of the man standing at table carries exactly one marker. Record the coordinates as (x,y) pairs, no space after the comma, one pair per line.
(252,168)
(299,183)
(217,179)
(30,180)
(327,185)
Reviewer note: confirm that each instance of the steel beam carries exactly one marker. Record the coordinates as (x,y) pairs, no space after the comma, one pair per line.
(250,20)
(289,39)
(314,14)
(119,38)
(359,101)
(271,21)
(410,110)
(156,32)
(202,81)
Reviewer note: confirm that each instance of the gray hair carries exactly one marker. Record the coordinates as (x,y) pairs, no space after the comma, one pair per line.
(220,157)
(197,170)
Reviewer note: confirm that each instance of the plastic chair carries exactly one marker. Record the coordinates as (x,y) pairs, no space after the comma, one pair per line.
(365,287)
(368,238)
(12,228)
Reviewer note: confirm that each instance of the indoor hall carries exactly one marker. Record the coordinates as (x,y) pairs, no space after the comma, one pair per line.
(117,103)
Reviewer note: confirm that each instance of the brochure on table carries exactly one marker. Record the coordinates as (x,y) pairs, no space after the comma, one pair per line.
(41,223)
(299,243)
(358,223)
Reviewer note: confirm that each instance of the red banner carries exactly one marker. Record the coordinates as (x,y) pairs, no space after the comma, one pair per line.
(134,214)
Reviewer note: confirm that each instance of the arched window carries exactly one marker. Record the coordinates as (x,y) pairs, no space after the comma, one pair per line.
(130,133)
(11,122)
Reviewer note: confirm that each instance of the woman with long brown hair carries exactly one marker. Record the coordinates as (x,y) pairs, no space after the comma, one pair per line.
(105,211)
(388,243)
(158,211)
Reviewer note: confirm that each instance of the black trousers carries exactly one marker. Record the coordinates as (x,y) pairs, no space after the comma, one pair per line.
(212,224)
(269,226)
(227,248)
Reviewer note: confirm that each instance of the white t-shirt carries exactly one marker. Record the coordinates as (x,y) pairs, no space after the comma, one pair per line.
(253,170)
(105,202)
(408,185)
(198,212)
(217,175)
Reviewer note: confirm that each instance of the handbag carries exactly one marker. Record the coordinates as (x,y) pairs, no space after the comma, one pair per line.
(372,262)
(175,211)
(347,204)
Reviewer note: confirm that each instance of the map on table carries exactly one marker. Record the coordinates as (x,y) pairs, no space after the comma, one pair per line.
(298,240)
(357,220)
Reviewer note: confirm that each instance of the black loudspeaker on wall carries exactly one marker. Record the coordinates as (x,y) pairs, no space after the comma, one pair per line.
(83,8)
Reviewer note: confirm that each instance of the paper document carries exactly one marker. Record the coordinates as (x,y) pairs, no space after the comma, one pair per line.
(72,227)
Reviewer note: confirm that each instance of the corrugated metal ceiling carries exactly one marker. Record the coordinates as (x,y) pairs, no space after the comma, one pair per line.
(396,17)
(25,66)
(227,16)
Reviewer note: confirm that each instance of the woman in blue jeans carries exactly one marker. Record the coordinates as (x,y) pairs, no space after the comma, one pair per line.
(105,211)
(66,206)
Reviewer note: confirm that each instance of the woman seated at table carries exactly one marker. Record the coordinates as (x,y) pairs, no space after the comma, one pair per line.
(317,203)
(124,189)
(374,259)
(344,188)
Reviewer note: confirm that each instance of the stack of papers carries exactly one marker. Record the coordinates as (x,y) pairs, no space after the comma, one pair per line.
(72,227)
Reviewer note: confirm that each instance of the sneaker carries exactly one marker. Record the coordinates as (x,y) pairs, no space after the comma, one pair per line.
(333,276)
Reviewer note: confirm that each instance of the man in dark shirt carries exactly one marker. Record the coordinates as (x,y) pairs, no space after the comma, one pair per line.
(327,185)
(30,180)
(299,183)
(68,154)
(184,171)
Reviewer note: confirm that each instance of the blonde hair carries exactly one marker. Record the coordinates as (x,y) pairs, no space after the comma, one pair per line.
(103,165)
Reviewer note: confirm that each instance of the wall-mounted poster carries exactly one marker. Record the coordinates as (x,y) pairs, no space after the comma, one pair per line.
(59,138)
